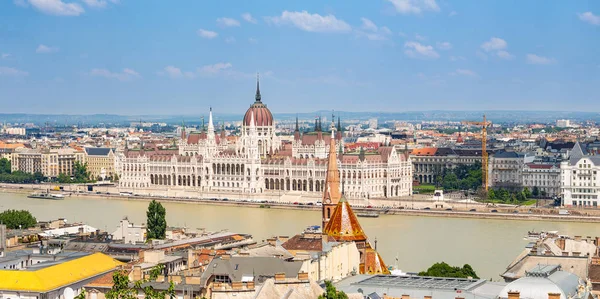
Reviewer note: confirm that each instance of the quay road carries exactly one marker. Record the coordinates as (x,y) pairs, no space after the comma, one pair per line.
(404,206)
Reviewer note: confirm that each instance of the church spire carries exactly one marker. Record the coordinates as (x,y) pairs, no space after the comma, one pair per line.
(297,126)
(257,97)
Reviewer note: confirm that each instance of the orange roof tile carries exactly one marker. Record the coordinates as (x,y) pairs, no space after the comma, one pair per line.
(426,151)
(344,225)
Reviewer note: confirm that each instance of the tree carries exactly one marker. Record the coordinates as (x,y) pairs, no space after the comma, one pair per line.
(64,179)
(491,194)
(536,191)
(14,219)
(80,172)
(157,224)
(526,192)
(444,270)
(115,177)
(332,293)
(5,166)
(123,289)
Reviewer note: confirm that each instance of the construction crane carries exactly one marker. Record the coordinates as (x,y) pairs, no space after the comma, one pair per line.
(484,155)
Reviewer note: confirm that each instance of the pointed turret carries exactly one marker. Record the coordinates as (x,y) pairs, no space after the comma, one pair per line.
(257,96)
(223,135)
(183,136)
(297,130)
(339,130)
(331,190)
(211,127)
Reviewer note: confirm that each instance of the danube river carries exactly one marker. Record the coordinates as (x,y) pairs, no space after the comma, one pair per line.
(488,245)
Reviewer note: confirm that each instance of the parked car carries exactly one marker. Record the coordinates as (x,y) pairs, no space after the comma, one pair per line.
(427,208)
(472,210)
(494,211)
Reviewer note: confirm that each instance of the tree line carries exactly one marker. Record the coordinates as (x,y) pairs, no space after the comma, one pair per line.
(80,175)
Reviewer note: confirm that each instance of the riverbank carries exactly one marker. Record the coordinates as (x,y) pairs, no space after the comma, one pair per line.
(412,207)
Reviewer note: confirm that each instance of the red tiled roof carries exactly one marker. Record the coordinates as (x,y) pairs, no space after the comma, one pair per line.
(427,151)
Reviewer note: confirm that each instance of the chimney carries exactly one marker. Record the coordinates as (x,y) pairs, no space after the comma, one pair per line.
(271,241)
(553,295)
(302,276)
(576,253)
(404,296)
(514,294)
(137,273)
(279,277)
(283,239)
(577,238)
(237,285)
(427,297)
(250,285)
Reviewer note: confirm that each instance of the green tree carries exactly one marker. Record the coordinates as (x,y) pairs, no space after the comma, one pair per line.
(526,192)
(156,222)
(491,194)
(332,293)
(14,219)
(5,166)
(450,181)
(80,172)
(64,178)
(123,289)
(536,191)
(444,270)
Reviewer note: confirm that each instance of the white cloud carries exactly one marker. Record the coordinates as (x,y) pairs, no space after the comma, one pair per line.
(497,45)
(215,68)
(414,6)
(230,40)
(372,32)
(228,22)
(310,22)
(417,50)
(452,13)
(368,24)
(420,37)
(95,3)
(444,45)
(252,40)
(207,33)
(505,55)
(12,72)
(402,34)
(248,18)
(5,55)
(494,44)
(175,72)
(535,59)
(589,17)
(126,75)
(43,49)
(57,7)
(21,3)
(481,55)
(465,72)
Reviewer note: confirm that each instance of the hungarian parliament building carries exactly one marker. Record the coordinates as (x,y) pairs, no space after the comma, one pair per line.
(259,162)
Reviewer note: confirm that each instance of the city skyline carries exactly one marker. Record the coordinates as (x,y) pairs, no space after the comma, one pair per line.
(113,56)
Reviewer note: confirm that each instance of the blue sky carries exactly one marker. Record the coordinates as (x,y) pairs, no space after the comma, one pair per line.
(180,57)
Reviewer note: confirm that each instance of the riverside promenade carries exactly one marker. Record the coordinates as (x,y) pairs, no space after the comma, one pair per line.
(417,205)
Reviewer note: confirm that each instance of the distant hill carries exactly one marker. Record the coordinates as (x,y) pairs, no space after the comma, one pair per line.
(497,116)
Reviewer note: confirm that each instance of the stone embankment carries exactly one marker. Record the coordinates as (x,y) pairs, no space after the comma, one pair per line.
(412,206)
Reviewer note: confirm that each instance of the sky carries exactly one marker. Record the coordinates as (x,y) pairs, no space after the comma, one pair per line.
(134,57)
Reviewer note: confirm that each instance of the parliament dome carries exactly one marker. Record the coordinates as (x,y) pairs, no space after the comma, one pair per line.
(262,114)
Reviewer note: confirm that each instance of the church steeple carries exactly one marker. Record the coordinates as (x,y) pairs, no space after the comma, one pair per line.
(257,96)
(331,190)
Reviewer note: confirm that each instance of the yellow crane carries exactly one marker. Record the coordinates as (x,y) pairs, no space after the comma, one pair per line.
(484,155)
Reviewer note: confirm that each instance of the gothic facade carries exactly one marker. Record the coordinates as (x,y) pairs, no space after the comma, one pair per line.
(258,162)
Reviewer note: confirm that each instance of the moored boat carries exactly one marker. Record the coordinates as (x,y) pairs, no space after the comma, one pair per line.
(46,196)
(368,214)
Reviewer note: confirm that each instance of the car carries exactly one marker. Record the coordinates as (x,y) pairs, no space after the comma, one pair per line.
(369,207)
(449,209)
(472,210)
(296,203)
(415,192)
(310,204)
(494,211)
(515,212)
(427,208)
